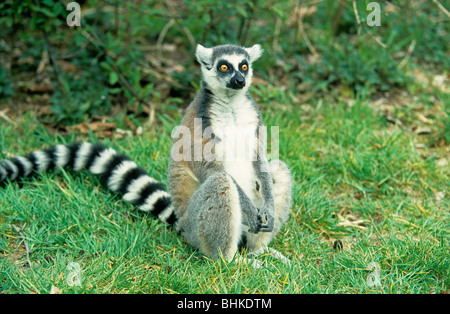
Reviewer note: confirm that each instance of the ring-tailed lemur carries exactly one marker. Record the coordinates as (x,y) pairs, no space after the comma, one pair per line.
(217,203)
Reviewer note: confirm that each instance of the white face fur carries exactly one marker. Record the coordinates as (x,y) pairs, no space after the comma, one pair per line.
(227,68)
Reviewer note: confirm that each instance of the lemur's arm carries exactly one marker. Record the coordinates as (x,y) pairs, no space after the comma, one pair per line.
(264,183)
(251,212)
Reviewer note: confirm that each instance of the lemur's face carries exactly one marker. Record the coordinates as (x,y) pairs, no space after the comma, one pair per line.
(227,67)
(232,71)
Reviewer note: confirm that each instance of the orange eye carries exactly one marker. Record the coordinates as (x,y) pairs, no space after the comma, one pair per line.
(244,67)
(223,67)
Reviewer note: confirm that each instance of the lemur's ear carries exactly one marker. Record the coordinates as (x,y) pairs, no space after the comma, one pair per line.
(204,55)
(254,52)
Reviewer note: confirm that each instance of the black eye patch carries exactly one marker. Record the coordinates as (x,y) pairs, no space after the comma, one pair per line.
(243,66)
(224,66)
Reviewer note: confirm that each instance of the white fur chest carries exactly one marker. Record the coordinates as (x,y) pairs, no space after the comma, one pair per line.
(235,125)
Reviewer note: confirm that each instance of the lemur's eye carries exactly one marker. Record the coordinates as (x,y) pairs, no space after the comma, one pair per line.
(223,67)
(244,67)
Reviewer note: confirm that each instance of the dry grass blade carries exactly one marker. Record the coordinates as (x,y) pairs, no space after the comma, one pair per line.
(27,251)
(6,118)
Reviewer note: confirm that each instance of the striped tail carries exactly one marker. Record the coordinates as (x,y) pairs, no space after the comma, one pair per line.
(117,171)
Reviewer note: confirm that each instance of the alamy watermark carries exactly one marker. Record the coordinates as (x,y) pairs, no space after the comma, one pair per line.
(225,143)
(74,276)
(74,18)
(373,279)
(374,17)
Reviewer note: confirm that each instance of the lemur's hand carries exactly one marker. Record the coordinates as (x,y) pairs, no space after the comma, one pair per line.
(266,214)
(254,221)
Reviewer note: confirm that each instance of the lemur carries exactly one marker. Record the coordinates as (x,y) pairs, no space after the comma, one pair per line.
(218,204)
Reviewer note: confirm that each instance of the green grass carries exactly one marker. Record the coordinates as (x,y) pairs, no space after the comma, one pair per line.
(374,186)
(364,174)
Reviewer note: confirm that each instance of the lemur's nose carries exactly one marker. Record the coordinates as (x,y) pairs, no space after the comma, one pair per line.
(237,81)
(240,81)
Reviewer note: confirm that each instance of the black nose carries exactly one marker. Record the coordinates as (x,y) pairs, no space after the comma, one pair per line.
(238,81)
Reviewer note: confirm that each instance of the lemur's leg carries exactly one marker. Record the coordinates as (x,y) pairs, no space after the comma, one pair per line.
(282,185)
(212,221)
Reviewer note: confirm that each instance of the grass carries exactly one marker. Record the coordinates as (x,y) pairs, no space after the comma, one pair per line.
(375,186)
(371,170)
